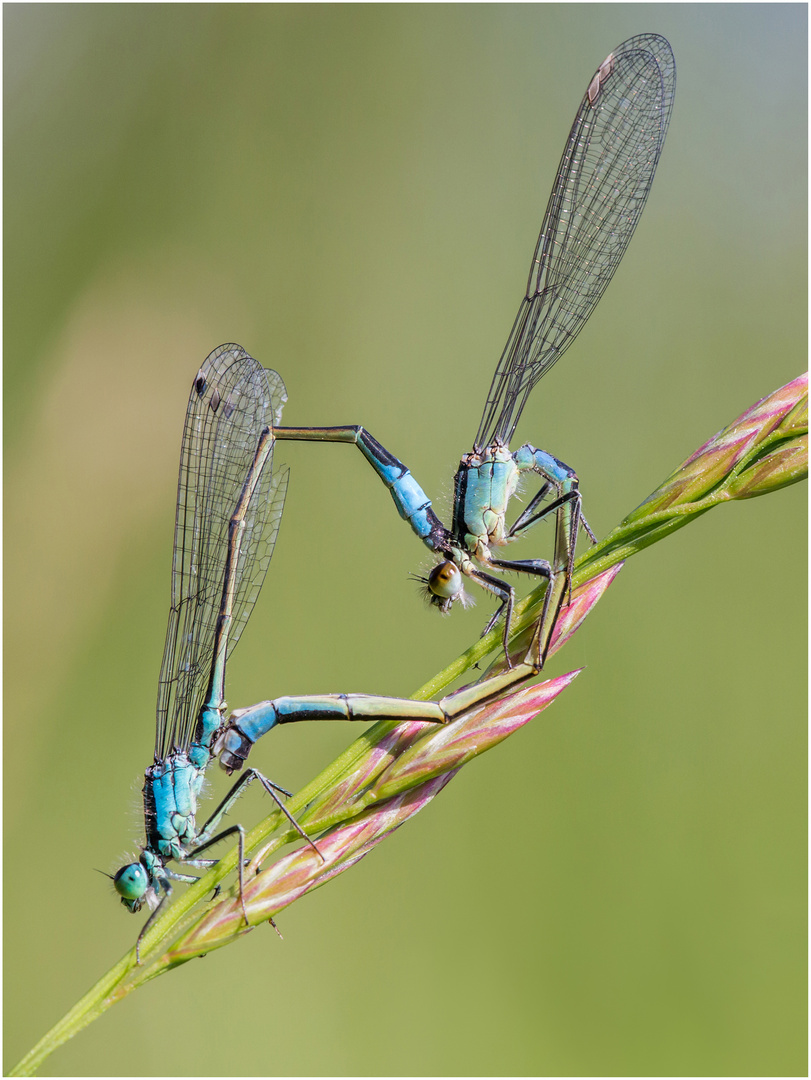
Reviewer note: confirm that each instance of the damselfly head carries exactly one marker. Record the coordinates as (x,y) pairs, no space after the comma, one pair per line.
(444,585)
(132,884)
(445,581)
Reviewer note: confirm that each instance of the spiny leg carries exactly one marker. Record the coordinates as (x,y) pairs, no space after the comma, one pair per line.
(569,523)
(522,522)
(271,789)
(241,860)
(527,516)
(538,567)
(555,476)
(541,568)
(506,593)
(205,840)
(161,883)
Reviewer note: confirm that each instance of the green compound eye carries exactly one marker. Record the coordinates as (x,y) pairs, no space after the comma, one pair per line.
(131,882)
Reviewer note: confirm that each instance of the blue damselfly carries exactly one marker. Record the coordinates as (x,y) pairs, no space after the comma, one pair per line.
(599,192)
(229,507)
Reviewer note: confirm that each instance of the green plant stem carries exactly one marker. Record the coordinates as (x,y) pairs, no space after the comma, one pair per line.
(639,530)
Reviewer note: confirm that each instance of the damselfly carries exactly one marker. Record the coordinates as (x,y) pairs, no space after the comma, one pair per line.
(601,186)
(229,507)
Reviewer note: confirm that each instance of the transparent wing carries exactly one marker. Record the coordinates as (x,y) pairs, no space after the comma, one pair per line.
(232,399)
(599,193)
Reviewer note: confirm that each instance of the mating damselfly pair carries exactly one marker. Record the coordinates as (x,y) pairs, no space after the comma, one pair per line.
(230,500)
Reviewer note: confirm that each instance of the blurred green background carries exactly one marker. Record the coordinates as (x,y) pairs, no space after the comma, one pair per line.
(353,193)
